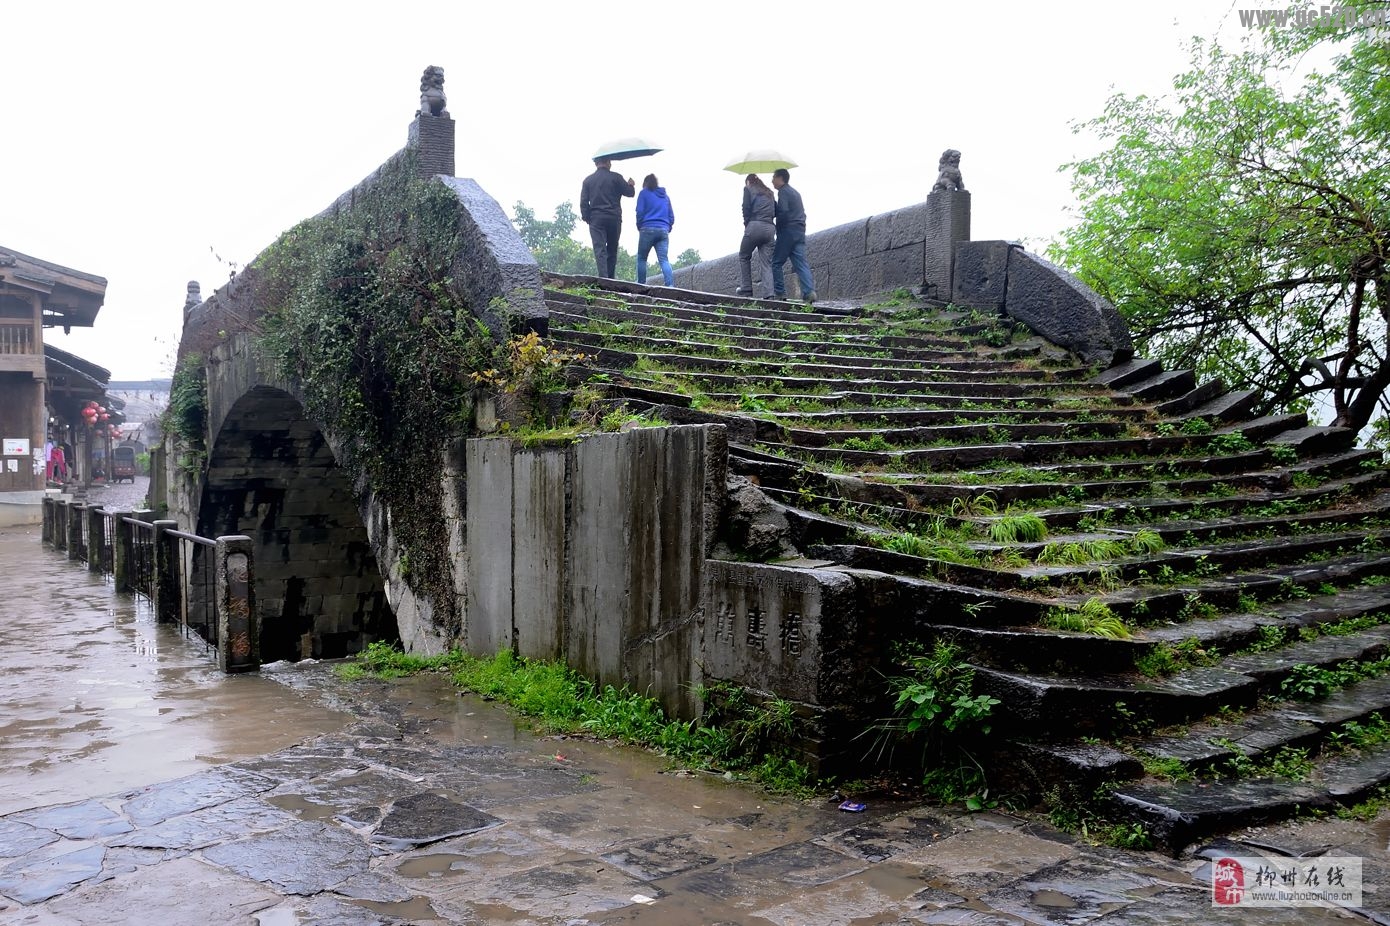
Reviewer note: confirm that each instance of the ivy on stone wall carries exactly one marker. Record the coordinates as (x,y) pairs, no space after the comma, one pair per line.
(363,313)
(187,413)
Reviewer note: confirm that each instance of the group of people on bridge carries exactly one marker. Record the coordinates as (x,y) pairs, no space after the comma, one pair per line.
(774,229)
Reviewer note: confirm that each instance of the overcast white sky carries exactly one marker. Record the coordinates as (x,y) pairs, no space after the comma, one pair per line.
(141,139)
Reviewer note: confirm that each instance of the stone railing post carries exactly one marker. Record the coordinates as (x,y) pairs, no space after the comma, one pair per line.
(76,512)
(46,534)
(167,604)
(96,538)
(60,524)
(948,224)
(122,550)
(238,629)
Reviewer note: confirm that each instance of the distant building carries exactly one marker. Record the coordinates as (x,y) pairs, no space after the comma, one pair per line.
(43,389)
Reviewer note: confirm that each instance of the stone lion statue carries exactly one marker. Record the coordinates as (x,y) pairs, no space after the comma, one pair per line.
(432,99)
(949,179)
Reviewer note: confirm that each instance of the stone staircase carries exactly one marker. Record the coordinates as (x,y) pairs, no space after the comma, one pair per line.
(998,490)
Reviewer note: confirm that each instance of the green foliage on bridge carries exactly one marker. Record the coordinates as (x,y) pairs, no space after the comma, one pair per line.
(1242,223)
(363,313)
(187,412)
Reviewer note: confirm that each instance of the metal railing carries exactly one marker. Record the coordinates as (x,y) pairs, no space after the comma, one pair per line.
(205,586)
(139,575)
(197,606)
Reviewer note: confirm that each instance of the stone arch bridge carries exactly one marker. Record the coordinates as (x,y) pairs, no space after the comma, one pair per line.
(958,446)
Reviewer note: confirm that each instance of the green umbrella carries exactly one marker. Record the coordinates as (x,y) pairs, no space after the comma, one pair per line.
(759,161)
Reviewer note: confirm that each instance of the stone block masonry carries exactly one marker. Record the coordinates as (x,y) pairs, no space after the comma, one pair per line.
(594,554)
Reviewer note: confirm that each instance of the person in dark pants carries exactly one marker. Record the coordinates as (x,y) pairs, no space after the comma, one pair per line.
(791,238)
(759,229)
(600,206)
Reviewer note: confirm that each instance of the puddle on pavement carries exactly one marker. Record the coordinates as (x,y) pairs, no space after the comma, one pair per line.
(434,866)
(100,698)
(1055,900)
(280,916)
(301,807)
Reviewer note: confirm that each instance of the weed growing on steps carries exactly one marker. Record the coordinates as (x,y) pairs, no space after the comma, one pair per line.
(738,734)
(1311,683)
(936,717)
(1093,617)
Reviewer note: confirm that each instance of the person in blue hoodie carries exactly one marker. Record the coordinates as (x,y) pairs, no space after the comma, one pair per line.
(655,218)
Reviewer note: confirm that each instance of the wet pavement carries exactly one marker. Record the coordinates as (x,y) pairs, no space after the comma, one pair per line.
(139,785)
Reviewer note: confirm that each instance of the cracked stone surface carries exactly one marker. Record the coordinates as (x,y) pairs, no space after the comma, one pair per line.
(425,818)
(461,817)
(304,858)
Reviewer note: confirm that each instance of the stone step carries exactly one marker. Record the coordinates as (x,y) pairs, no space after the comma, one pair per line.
(1158,513)
(1061,706)
(1053,707)
(1315,439)
(1153,604)
(1203,748)
(905,417)
(799,343)
(1124,375)
(712,382)
(1204,392)
(960,433)
(789,352)
(1176,815)
(903,491)
(600,318)
(1234,556)
(1163,386)
(877,403)
(1037,650)
(1228,407)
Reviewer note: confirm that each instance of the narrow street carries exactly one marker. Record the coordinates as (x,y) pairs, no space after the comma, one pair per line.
(137,784)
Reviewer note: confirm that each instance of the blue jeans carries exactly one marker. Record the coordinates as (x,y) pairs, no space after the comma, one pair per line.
(647,238)
(791,243)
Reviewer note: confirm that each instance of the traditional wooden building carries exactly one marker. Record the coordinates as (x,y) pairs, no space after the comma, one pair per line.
(34,295)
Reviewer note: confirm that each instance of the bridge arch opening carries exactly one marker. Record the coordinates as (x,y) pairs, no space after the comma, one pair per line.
(272,476)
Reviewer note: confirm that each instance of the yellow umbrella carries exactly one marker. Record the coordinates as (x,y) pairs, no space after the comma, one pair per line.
(759,161)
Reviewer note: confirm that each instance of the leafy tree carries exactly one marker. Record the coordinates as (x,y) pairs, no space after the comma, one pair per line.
(1244,229)
(557,251)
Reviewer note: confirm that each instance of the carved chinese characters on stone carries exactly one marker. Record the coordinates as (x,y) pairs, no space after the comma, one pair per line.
(791,634)
(724,624)
(757,628)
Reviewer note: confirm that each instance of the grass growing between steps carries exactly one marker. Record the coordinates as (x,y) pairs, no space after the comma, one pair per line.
(738,734)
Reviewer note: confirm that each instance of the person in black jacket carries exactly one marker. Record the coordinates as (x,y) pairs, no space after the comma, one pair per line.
(600,206)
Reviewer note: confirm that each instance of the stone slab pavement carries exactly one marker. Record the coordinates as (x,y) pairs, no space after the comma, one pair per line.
(434,807)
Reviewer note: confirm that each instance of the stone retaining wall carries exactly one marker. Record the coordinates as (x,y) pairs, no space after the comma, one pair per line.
(594,554)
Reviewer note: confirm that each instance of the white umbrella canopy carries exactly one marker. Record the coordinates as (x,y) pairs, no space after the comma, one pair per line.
(620,149)
(759,161)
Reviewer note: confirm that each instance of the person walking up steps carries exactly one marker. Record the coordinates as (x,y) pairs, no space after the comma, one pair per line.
(600,206)
(791,238)
(655,219)
(759,230)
